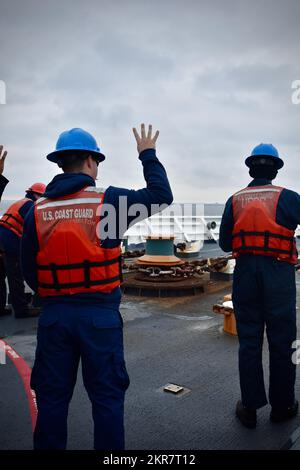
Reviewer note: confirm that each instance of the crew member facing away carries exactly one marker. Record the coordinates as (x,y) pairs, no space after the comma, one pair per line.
(258,226)
(78,277)
(11,228)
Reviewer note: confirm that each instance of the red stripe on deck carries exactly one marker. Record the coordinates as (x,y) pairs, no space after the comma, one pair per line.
(24,372)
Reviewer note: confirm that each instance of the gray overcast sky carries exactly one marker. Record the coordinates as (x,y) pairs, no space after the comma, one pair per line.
(214,76)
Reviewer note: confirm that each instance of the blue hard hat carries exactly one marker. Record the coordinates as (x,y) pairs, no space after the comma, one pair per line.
(76,139)
(265,150)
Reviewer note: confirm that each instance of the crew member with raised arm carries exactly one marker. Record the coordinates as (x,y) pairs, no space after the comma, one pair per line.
(71,257)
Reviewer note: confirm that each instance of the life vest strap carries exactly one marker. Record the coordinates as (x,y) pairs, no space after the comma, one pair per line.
(86,265)
(86,268)
(120,269)
(4,222)
(266,234)
(11,216)
(71,285)
(262,248)
(266,241)
(91,264)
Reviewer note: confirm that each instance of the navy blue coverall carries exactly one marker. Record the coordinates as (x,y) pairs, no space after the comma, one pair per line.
(264,295)
(10,245)
(84,326)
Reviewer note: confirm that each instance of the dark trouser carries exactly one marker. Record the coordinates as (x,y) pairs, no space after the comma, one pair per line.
(264,295)
(11,267)
(66,335)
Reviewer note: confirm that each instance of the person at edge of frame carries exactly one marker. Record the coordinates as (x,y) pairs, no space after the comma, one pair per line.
(258,226)
(11,227)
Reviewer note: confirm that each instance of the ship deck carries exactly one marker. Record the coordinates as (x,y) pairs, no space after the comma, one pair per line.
(177,340)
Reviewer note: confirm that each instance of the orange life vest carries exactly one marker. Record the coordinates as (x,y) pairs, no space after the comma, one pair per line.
(255,228)
(12,220)
(70,259)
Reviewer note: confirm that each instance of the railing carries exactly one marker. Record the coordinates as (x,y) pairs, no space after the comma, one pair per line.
(183,228)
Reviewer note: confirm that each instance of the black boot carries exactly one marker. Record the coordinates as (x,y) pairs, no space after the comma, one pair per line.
(279,416)
(246,416)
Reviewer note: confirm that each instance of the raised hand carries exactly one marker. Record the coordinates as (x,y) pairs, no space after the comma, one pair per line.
(145,141)
(2,159)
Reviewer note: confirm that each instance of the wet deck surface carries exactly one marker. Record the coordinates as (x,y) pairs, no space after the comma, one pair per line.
(175,340)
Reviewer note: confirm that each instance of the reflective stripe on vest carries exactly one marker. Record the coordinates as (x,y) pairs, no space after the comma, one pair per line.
(255,228)
(70,259)
(12,219)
